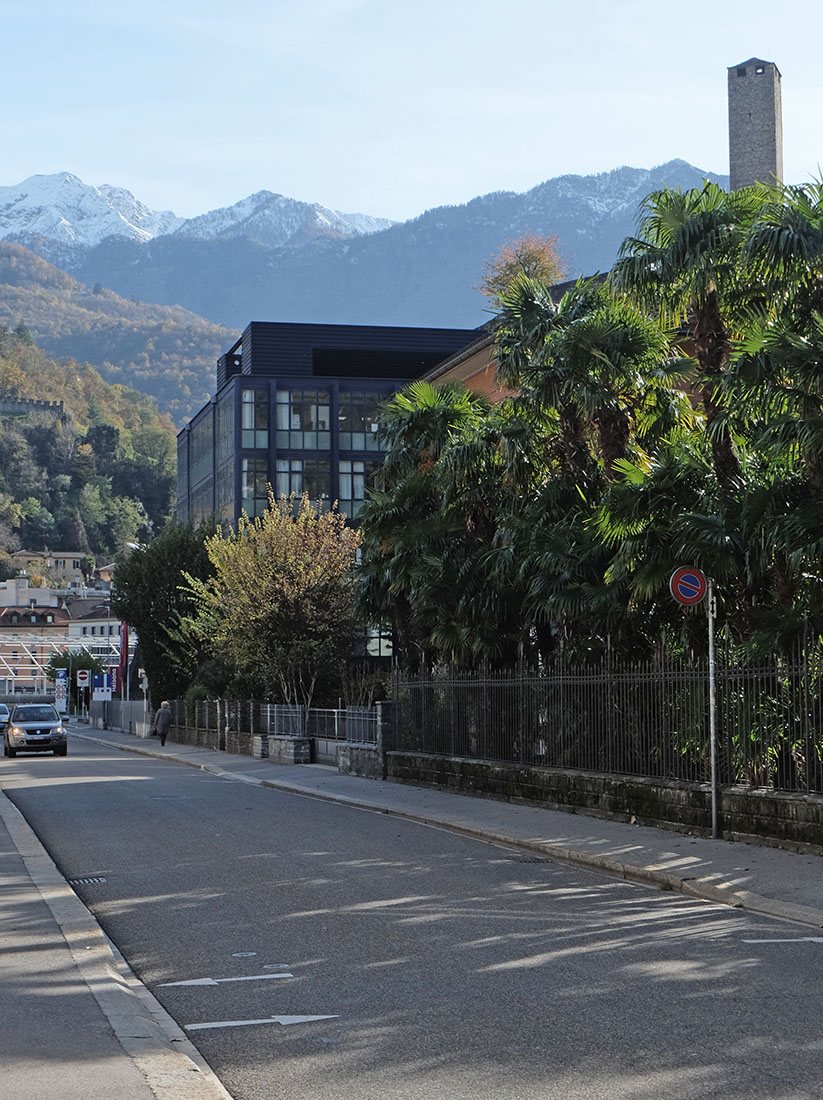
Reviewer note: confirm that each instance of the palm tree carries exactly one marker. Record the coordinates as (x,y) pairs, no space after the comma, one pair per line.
(687,263)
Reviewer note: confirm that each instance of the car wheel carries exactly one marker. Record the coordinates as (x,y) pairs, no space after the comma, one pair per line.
(10,751)
(62,751)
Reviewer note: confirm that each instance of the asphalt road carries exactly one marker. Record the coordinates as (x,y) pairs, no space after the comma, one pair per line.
(433,965)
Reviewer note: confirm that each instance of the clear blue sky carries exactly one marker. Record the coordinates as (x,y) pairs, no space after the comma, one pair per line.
(386,107)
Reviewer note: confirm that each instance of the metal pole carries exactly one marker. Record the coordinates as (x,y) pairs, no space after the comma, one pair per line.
(711,609)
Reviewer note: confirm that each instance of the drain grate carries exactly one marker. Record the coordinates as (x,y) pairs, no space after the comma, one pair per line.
(84,881)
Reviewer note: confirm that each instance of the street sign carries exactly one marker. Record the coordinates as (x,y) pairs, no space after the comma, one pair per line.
(83,677)
(61,681)
(102,687)
(687,585)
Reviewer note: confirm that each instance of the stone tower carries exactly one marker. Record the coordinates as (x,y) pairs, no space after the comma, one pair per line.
(755,123)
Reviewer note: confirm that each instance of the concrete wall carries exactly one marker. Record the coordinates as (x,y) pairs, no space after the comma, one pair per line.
(768,817)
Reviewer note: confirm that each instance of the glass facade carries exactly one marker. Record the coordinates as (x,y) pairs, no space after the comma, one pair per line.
(224,492)
(299,475)
(202,501)
(358,420)
(201,444)
(254,486)
(183,468)
(255,420)
(304,420)
(224,428)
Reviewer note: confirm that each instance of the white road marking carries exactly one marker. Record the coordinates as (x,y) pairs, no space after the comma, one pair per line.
(219,981)
(795,939)
(284,1020)
(243,954)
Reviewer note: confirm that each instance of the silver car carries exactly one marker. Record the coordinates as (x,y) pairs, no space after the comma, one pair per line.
(35,727)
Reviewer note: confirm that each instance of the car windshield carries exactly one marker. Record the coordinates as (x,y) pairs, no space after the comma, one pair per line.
(35,714)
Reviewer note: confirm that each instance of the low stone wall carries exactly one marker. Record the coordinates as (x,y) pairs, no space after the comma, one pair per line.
(238,742)
(190,735)
(763,816)
(289,750)
(362,760)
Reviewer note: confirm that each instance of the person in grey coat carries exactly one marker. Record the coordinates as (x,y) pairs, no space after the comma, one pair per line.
(162,721)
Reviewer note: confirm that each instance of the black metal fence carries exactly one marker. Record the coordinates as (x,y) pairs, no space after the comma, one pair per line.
(250,717)
(641,720)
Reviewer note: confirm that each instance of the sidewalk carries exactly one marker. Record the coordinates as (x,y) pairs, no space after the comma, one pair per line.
(77,1024)
(764,880)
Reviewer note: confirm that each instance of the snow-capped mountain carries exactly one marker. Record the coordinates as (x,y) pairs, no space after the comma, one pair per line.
(277,221)
(273,258)
(62,208)
(72,214)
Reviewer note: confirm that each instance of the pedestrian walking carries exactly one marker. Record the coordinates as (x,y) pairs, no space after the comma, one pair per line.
(162,721)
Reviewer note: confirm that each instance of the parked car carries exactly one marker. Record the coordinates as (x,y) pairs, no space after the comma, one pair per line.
(4,715)
(34,727)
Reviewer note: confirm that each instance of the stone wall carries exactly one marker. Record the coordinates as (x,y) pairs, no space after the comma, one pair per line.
(190,735)
(362,760)
(790,820)
(289,750)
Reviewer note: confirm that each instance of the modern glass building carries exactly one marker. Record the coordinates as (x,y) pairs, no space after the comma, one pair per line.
(297,407)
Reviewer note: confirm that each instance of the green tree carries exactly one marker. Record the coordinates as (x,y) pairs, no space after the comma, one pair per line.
(148,595)
(687,263)
(72,660)
(278,608)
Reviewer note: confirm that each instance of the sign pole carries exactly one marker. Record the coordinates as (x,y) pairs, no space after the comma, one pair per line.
(711,611)
(689,586)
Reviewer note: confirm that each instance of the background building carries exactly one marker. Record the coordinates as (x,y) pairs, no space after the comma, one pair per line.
(297,407)
(755,123)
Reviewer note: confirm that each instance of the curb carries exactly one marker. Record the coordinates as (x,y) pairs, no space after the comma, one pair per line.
(162,1052)
(704,889)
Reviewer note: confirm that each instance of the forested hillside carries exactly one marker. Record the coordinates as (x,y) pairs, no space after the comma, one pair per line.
(164,351)
(97,477)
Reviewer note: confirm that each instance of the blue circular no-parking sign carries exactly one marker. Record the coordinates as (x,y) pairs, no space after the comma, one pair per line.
(687,585)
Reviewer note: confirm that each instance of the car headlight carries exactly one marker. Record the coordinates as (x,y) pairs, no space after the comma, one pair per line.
(17,731)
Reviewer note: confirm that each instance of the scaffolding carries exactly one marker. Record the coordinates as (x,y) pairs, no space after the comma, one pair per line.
(25,656)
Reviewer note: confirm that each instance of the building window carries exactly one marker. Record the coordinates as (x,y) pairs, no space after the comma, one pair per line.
(254,486)
(303,419)
(354,477)
(202,501)
(15,618)
(298,476)
(255,419)
(49,618)
(202,447)
(359,420)
(224,493)
(183,466)
(224,429)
